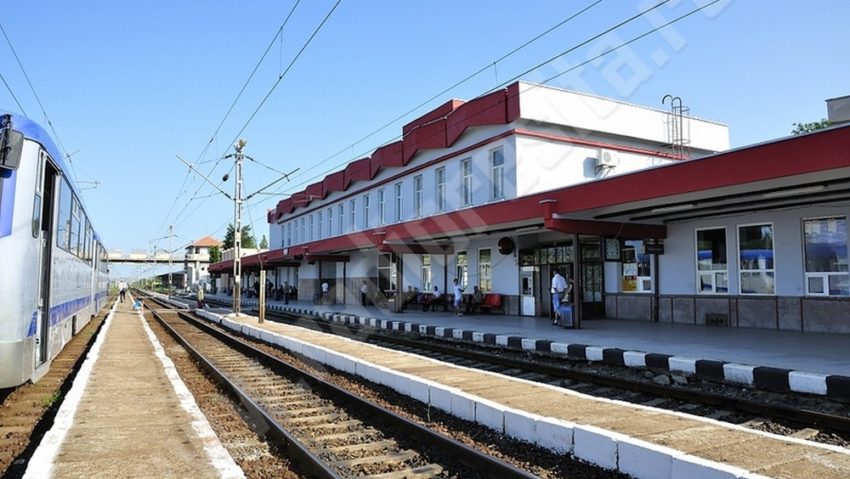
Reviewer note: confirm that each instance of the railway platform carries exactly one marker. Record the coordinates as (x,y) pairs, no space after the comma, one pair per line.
(643,441)
(813,363)
(128,414)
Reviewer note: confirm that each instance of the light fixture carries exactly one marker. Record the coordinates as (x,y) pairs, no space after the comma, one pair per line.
(793,192)
(673,208)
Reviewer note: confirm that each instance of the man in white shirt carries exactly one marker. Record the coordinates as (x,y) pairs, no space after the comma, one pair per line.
(325,289)
(559,285)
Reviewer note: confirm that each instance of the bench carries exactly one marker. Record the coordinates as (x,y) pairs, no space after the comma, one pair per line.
(492,302)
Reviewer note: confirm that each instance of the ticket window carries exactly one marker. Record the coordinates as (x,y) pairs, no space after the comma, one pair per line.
(636,275)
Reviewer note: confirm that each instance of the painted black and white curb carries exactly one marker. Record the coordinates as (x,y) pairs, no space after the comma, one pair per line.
(769,378)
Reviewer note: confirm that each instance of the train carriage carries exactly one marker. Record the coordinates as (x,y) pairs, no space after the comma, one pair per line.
(53,268)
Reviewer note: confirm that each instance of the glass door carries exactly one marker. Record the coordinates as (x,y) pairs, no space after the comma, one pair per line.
(592,279)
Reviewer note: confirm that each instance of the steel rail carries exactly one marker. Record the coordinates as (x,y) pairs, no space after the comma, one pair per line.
(750,406)
(485,464)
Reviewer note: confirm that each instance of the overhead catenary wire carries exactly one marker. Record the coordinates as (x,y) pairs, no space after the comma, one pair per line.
(455,85)
(280,78)
(213,137)
(517,77)
(20,107)
(604,53)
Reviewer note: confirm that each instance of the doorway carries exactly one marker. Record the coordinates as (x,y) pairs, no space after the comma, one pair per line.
(592,278)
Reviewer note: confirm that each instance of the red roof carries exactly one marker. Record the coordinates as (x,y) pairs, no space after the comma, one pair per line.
(207,241)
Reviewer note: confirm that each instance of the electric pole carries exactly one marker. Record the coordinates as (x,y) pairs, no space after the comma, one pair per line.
(237,229)
(170,242)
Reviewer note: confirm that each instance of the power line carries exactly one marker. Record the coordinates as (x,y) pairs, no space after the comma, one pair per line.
(21,107)
(455,85)
(282,75)
(280,78)
(516,77)
(227,114)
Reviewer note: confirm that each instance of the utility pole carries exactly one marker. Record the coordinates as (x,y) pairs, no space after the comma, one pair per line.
(237,229)
(170,242)
(237,212)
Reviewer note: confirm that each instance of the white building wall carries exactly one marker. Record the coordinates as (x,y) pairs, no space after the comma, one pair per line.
(678,263)
(545,165)
(593,113)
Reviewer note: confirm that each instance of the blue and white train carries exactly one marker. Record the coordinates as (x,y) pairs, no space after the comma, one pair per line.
(53,267)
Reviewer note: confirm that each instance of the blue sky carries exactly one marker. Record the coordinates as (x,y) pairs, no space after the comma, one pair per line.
(130,85)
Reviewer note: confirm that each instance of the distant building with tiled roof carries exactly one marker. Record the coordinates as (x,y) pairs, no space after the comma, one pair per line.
(197,260)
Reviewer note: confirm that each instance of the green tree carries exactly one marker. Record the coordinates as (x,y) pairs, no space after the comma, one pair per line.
(264,243)
(248,240)
(800,128)
(215,254)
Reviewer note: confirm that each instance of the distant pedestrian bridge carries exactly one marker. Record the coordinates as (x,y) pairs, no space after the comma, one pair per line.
(143,257)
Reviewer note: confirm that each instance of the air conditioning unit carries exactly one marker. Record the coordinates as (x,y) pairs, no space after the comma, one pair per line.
(606,161)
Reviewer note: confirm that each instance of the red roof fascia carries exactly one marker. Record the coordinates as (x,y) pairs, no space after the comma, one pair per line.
(316,191)
(432,115)
(386,157)
(490,109)
(812,153)
(512,95)
(358,170)
(427,136)
(334,182)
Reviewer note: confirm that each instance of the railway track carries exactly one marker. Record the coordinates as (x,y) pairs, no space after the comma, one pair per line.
(328,431)
(815,419)
(27,412)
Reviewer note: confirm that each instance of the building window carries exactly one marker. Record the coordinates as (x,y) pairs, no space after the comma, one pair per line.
(755,249)
(352,222)
(387,273)
(288,234)
(341,213)
(637,275)
(398,215)
(382,207)
(485,277)
(418,198)
(365,211)
(310,229)
(825,241)
(462,273)
(466,182)
(712,268)
(497,176)
(319,229)
(426,272)
(441,188)
(330,222)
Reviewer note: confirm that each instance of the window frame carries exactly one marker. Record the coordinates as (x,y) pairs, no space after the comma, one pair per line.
(466,182)
(497,191)
(440,187)
(382,206)
(330,212)
(352,220)
(488,277)
(742,271)
(399,197)
(712,273)
(824,275)
(418,196)
(366,211)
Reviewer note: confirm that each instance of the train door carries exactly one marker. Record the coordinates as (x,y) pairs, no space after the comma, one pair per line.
(43,229)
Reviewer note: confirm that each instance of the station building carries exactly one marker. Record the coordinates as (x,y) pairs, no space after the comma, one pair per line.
(648,211)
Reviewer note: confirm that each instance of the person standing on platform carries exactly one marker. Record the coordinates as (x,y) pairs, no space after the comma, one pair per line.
(201,298)
(325,289)
(122,290)
(559,285)
(458,298)
(286,292)
(364,293)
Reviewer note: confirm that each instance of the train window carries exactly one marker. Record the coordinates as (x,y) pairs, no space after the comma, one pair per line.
(36,202)
(74,246)
(63,235)
(87,242)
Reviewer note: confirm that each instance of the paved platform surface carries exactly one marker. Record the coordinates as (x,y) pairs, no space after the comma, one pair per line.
(821,353)
(643,441)
(129,415)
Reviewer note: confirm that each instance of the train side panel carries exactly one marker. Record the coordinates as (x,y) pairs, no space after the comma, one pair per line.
(19,272)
